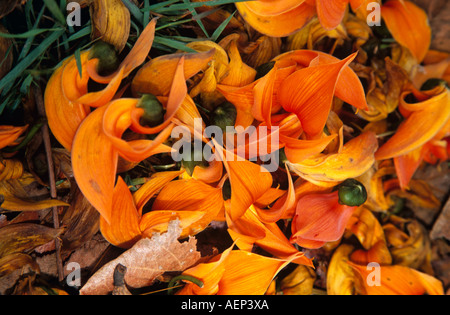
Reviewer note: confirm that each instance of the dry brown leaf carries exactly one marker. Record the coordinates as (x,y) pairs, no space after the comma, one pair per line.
(441,227)
(19,195)
(82,221)
(8,6)
(6,53)
(438,15)
(145,261)
(25,237)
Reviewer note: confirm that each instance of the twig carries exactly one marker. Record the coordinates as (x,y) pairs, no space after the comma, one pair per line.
(37,92)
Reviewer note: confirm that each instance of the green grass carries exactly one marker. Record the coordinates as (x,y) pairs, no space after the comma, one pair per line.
(42,38)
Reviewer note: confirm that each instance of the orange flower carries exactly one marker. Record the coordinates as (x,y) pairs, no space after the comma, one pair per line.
(234,272)
(279,18)
(408,25)
(397,280)
(427,122)
(99,142)
(192,202)
(9,134)
(67,99)
(303,83)
(319,219)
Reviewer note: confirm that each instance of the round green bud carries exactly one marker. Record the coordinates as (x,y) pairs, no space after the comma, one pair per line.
(107,56)
(224,115)
(153,110)
(352,193)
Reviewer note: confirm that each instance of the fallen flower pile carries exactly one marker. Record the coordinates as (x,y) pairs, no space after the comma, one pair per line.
(315,123)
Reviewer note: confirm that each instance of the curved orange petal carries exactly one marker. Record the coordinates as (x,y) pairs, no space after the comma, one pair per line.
(420,127)
(263,97)
(407,164)
(242,99)
(276,25)
(209,273)
(9,134)
(156,76)
(356,157)
(331,13)
(73,86)
(409,26)
(398,280)
(150,188)
(348,87)
(319,218)
(249,230)
(248,181)
(117,118)
(211,174)
(190,195)
(278,211)
(123,229)
(158,221)
(177,96)
(297,150)
(309,93)
(239,74)
(100,98)
(248,273)
(94,163)
(64,117)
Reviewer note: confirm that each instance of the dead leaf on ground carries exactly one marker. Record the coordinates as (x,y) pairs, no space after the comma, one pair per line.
(6,53)
(441,227)
(8,6)
(438,12)
(145,261)
(25,237)
(82,221)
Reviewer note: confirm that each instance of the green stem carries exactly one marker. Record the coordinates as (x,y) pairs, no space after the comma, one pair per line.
(174,280)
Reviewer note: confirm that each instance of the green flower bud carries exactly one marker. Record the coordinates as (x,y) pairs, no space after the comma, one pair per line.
(224,115)
(352,193)
(107,56)
(153,110)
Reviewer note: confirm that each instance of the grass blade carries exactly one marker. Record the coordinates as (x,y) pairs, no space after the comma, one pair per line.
(29,59)
(134,10)
(173,44)
(221,27)
(53,7)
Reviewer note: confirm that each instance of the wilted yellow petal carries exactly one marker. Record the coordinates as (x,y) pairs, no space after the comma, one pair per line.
(356,157)
(110,22)
(340,276)
(299,282)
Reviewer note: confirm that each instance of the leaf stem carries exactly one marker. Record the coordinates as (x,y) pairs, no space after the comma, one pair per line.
(174,280)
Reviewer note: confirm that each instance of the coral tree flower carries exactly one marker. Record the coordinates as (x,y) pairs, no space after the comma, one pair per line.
(408,25)
(98,143)
(426,122)
(322,218)
(296,95)
(280,18)
(192,202)
(67,99)
(397,280)
(9,134)
(234,272)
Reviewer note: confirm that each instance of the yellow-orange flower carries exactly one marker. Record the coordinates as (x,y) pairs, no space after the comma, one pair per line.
(234,272)
(9,134)
(280,18)
(408,25)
